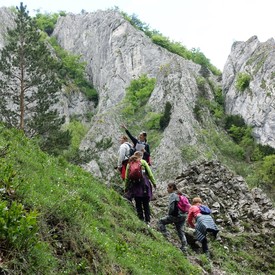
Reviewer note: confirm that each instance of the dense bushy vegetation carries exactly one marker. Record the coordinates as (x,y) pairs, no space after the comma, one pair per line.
(72,70)
(135,108)
(165,118)
(46,21)
(242,82)
(73,73)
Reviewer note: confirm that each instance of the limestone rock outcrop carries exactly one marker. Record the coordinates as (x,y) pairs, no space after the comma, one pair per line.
(257,103)
(117,53)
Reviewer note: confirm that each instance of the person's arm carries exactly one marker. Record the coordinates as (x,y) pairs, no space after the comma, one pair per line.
(127,177)
(121,156)
(133,139)
(172,204)
(146,153)
(190,217)
(149,172)
(147,149)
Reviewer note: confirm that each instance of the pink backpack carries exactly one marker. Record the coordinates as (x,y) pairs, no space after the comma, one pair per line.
(183,204)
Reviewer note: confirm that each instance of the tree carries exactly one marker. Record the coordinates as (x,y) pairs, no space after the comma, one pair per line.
(29,86)
(267,170)
(165,119)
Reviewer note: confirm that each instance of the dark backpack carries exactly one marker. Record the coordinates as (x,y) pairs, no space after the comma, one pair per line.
(135,171)
(204,210)
(183,204)
(132,150)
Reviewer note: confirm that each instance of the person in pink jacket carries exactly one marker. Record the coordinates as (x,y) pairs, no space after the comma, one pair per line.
(202,223)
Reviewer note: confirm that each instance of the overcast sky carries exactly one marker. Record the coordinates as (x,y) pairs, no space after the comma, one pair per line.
(210,25)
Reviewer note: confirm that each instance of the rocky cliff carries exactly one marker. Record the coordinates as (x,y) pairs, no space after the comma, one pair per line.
(257,103)
(7,21)
(117,53)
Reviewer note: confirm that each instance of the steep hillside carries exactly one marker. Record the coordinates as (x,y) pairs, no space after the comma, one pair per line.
(55,218)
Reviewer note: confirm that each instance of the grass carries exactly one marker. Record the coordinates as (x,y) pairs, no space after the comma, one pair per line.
(245,254)
(83,226)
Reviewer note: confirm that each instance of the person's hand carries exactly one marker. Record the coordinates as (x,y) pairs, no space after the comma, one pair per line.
(124,126)
(155,187)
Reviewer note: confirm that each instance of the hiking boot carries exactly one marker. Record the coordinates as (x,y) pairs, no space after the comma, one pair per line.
(184,250)
(207,254)
(218,238)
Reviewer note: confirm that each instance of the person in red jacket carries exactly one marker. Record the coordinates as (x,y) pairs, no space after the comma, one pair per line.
(202,224)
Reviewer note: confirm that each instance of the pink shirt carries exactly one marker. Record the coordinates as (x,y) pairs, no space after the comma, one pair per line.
(194,211)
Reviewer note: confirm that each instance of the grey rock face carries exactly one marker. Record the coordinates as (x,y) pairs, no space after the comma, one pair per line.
(7,22)
(116,54)
(257,103)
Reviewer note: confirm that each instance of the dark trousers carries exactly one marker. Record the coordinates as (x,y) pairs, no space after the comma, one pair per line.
(205,242)
(143,208)
(179,224)
(204,245)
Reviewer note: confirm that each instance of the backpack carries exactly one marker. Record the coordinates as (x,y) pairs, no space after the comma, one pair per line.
(183,204)
(204,210)
(135,172)
(132,150)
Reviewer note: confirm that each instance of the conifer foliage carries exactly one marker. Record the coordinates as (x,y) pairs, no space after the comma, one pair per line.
(29,86)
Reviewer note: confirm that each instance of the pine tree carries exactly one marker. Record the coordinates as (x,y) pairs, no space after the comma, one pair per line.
(29,86)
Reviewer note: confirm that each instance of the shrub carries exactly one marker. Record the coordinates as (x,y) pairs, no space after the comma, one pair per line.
(153,121)
(242,82)
(46,22)
(175,47)
(267,169)
(73,70)
(138,93)
(201,82)
(236,120)
(165,119)
(18,227)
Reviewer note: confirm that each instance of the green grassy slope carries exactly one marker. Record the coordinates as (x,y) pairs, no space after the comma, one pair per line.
(82,227)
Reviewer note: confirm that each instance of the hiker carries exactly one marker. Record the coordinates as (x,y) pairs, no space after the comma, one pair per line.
(140,189)
(175,216)
(123,155)
(142,140)
(202,223)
